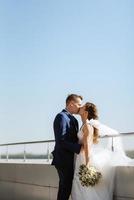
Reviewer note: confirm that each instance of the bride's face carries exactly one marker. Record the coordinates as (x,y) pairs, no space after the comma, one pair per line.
(83,112)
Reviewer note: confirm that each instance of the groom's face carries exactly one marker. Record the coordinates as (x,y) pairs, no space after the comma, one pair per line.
(75,105)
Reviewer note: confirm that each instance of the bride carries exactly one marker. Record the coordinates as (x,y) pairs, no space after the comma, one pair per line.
(91,155)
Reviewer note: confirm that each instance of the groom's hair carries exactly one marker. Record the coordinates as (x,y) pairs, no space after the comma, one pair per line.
(73,97)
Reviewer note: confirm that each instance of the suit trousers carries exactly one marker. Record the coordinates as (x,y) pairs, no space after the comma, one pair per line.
(65,182)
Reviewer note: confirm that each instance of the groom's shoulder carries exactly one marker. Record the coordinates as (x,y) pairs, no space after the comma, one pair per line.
(61,115)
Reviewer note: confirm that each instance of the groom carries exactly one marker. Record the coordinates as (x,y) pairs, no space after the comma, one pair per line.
(66,144)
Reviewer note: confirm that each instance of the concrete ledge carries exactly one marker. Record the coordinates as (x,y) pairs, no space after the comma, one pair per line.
(124,183)
(40,182)
(37,174)
(28,182)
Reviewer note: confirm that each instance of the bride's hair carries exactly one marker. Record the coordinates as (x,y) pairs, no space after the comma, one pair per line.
(92,114)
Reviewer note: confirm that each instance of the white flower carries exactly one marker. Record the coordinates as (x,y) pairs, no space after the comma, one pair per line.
(88,176)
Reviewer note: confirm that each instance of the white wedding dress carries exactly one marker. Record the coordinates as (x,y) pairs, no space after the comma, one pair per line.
(104,160)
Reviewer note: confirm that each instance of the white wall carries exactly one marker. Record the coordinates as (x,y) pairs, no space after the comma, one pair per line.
(40,182)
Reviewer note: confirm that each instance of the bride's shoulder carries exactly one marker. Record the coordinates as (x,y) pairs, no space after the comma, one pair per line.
(87,128)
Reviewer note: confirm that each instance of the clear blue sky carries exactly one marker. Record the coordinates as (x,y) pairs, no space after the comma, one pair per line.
(50,48)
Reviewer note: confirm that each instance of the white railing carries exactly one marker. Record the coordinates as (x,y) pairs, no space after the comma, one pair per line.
(7,145)
(48,142)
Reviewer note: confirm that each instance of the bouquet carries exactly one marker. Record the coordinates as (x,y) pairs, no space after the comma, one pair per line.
(88,176)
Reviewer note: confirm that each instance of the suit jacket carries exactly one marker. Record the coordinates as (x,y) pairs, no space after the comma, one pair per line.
(66,142)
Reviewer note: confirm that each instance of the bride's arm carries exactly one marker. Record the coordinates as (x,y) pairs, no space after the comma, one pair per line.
(87,141)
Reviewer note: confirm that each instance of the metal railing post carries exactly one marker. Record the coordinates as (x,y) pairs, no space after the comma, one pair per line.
(112,144)
(48,157)
(24,152)
(7,154)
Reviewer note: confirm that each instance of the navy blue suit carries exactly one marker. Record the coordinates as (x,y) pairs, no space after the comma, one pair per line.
(66,144)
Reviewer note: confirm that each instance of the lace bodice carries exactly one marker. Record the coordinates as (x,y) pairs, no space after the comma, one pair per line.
(93,148)
(80,135)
